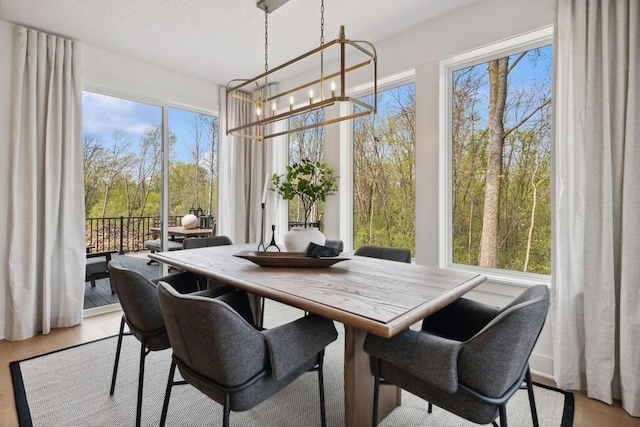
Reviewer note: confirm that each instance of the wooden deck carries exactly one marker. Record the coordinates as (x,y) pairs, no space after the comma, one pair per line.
(101,294)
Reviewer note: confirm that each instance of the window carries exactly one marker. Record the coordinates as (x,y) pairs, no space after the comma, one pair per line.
(122,143)
(306,144)
(498,167)
(193,163)
(384,171)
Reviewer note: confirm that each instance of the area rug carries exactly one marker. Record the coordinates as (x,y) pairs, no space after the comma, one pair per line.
(70,387)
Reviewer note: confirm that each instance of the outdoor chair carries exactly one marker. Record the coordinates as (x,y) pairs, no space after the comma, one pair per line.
(220,352)
(469,358)
(97,267)
(384,252)
(141,312)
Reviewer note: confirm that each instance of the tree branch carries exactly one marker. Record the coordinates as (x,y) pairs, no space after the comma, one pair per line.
(527,117)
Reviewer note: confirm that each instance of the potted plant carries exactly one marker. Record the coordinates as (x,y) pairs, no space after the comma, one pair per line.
(311,181)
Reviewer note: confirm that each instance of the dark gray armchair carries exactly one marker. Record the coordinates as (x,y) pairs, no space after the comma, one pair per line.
(141,312)
(202,242)
(219,351)
(469,358)
(384,252)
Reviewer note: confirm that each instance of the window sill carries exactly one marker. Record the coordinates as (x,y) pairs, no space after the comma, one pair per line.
(504,277)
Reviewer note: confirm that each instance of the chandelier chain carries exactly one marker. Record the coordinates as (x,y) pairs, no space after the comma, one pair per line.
(266,39)
(322,23)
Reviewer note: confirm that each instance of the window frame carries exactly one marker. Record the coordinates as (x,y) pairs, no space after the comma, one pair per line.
(527,41)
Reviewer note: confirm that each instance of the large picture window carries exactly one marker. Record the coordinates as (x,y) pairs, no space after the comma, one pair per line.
(499,141)
(384,171)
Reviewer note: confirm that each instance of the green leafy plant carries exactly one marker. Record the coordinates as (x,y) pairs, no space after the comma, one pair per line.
(310,181)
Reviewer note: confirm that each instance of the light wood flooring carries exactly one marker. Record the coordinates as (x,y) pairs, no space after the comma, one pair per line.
(588,413)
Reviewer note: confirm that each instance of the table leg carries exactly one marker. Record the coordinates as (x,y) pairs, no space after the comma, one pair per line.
(358,384)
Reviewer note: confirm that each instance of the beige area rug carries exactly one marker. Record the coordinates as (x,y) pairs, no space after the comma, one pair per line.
(71,388)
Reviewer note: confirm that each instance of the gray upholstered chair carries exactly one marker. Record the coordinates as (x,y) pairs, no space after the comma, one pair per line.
(141,312)
(202,242)
(469,358)
(219,351)
(384,252)
(336,244)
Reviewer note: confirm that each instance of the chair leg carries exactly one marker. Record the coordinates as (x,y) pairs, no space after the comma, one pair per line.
(143,354)
(226,410)
(430,408)
(323,415)
(532,399)
(115,364)
(167,394)
(93,283)
(376,391)
(503,415)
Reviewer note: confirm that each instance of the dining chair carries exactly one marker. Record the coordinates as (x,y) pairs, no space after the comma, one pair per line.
(141,312)
(219,351)
(335,244)
(384,252)
(202,242)
(469,358)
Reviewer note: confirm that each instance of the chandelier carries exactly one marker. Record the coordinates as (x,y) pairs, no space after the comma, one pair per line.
(271,100)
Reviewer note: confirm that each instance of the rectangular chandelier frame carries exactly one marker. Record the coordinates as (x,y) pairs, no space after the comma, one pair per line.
(239,91)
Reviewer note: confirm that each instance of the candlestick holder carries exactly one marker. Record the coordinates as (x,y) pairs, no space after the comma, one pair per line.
(273,239)
(261,244)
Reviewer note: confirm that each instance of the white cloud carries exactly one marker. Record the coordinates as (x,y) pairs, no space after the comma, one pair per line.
(103,114)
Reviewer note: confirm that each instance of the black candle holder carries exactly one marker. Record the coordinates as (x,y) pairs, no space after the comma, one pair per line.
(261,244)
(273,239)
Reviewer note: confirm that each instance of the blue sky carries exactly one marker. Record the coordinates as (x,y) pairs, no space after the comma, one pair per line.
(103,114)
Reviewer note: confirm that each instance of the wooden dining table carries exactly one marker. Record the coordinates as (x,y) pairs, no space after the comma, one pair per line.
(181,232)
(365,294)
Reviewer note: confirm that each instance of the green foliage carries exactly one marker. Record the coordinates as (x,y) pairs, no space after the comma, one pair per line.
(384,172)
(310,181)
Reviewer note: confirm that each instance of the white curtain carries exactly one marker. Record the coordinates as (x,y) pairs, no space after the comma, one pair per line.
(596,270)
(244,164)
(46,211)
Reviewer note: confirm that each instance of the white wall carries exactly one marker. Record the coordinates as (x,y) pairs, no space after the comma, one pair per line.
(6,37)
(116,75)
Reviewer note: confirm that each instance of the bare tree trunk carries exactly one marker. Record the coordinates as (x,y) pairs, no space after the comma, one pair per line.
(489,243)
(373,194)
(532,219)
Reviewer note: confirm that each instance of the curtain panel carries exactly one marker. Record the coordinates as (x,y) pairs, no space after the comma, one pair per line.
(596,273)
(46,248)
(244,165)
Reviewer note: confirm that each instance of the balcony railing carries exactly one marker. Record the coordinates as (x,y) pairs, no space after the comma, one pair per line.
(122,234)
(127,234)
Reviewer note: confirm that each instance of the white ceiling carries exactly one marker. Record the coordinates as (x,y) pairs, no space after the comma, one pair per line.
(218,40)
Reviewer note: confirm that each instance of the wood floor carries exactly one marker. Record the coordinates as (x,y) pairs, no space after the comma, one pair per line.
(588,413)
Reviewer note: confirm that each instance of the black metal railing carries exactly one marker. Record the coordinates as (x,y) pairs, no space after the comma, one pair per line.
(122,234)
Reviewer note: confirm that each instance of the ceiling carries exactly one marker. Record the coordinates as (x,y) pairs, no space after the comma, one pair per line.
(218,40)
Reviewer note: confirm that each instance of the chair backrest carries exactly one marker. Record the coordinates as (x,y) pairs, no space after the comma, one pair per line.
(139,300)
(493,359)
(335,244)
(211,338)
(384,252)
(201,242)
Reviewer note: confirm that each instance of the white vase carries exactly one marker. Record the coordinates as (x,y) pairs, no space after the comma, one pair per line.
(298,238)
